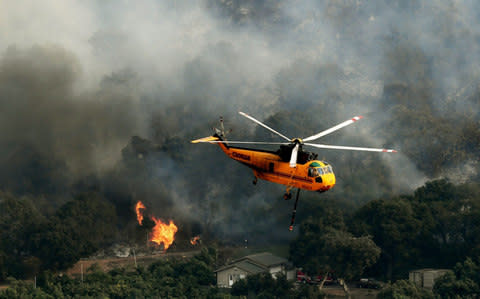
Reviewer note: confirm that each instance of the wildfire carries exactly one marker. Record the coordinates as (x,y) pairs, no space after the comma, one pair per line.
(194,240)
(161,232)
(139,206)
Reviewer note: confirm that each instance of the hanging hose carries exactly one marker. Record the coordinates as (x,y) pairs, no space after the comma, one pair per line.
(294,210)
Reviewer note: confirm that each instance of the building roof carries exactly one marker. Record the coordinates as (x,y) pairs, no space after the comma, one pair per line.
(244,265)
(429,270)
(255,263)
(265,259)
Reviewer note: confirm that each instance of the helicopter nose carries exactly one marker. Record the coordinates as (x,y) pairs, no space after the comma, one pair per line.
(325,188)
(329,182)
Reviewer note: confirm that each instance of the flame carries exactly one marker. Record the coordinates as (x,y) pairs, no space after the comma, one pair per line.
(139,206)
(163,233)
(194,240)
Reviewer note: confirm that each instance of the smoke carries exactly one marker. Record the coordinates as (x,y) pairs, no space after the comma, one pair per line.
(79,79)
(42,112)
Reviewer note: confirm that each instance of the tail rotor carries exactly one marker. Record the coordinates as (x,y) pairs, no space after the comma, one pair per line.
(221,132)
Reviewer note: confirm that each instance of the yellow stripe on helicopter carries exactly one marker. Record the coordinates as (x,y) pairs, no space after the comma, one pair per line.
(206,139)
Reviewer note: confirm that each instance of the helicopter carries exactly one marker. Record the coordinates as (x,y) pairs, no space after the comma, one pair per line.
(290,165)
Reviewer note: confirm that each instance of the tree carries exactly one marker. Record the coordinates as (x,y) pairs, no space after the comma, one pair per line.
(437,190)
(79,228)
(463,282)
(404,289)
(240,288)
(454,212)
(394,228)
(19,221)
(23,289)
(263,285)
(320,251)
(309,291)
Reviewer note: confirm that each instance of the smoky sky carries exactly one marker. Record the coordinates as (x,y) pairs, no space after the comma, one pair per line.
(41,109)
(79,79)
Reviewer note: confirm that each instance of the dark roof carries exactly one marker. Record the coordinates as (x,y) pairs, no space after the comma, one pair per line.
(429,270)
(265,259)
(256,263)
(246,266)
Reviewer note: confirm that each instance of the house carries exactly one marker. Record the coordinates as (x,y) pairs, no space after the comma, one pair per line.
(425,278)
(253,264)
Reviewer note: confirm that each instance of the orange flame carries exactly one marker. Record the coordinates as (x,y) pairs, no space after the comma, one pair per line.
(194,240)
(139,206)
(163,233)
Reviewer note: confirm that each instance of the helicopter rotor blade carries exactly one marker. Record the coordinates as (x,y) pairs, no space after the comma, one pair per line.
(333,129)
(293,158)
(264,125)
(352,148)
(239,142)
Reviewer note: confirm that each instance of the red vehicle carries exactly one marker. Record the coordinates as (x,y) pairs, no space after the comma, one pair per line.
(305,278)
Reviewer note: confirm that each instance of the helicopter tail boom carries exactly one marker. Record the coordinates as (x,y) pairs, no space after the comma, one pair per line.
(206,139)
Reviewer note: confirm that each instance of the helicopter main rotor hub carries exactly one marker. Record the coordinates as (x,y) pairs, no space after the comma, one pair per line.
(297,141)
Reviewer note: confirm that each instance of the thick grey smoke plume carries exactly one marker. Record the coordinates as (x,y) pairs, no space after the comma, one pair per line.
(79,79)
(47,125)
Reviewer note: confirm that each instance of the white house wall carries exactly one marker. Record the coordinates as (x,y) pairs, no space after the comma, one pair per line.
(223,277)
(275,270)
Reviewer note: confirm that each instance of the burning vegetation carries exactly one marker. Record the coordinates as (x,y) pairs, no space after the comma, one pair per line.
(195,240)
(162,233)
(139,206)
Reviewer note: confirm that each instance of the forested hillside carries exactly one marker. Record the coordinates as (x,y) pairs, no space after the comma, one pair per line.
(97,115)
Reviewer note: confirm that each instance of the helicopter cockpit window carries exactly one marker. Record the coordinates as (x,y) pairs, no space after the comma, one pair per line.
(313,172)
(327,169)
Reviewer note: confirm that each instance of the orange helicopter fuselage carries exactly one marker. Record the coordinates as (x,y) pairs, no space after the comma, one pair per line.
(313,175)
